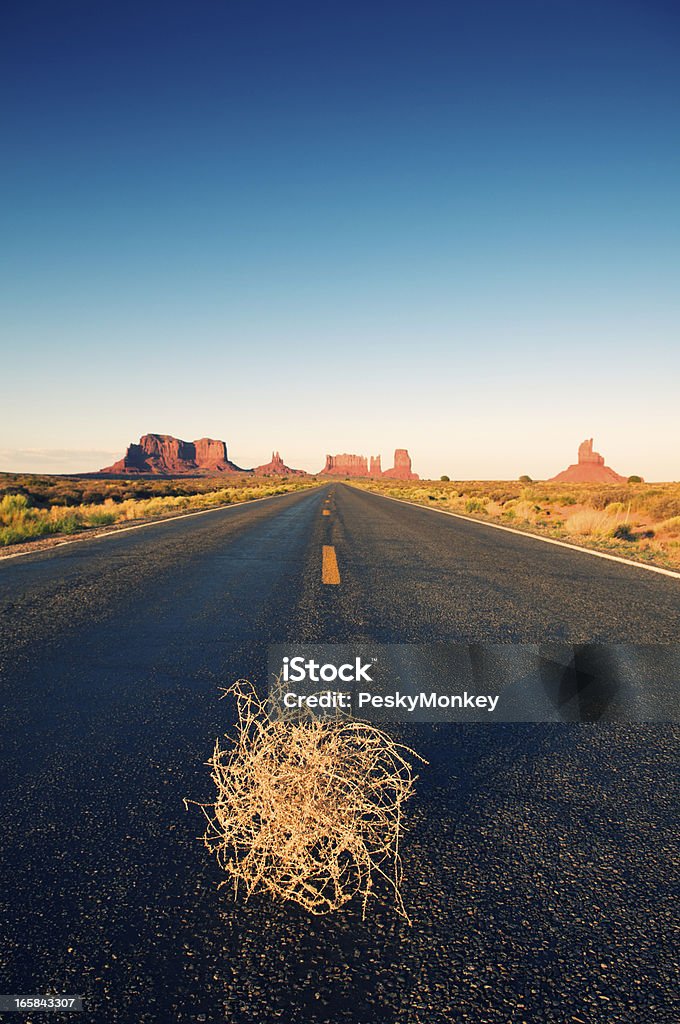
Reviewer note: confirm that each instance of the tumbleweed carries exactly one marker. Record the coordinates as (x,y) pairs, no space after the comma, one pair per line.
(308,809)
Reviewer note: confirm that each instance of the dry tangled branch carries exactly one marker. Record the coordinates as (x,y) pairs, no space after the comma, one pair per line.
(309,809)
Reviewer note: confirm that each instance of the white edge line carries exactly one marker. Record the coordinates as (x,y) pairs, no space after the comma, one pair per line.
(142,526)
(531,536)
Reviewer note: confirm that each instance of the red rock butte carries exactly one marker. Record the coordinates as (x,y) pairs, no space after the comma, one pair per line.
(277,467)
(590,468)
(358,465)
(162,454)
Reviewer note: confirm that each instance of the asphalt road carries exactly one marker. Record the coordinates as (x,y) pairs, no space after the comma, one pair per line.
(539,863)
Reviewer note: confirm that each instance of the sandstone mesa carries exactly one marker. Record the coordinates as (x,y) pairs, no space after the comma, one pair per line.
(358,465)
(165,455)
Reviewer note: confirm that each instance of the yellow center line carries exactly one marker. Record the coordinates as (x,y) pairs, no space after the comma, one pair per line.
(330,573)
(325,512)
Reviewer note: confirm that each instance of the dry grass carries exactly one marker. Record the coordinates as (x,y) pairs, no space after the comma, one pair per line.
(671,527)
(308,810)
(592,522)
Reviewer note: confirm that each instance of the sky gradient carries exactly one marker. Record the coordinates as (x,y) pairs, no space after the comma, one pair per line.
(452,227)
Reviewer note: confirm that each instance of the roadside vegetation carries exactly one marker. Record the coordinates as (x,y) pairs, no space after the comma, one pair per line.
(35,507)
(635,520)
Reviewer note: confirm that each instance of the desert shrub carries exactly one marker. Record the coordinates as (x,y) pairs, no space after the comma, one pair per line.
(671,527)
(10,535)
(445,479)
(224,496)
(19,521)
(502,495)
(664,506)
(615,508)
(609,495)
(70,498)
(308,810)
(475,505)
(101,518)
(521,509)
(589,521)
(92,497)
(524,479)
(13,506)
(65,522)
(22,530)
(624,531)
(634,479)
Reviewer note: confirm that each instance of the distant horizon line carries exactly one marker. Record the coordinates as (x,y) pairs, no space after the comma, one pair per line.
(99,475)
(106,457)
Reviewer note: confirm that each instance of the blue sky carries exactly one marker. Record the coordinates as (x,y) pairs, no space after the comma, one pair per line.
(452,227)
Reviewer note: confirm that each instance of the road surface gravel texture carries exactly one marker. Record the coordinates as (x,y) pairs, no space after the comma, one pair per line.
(539,859)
